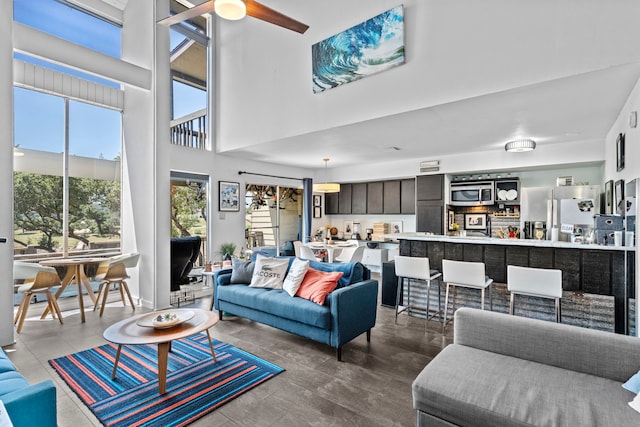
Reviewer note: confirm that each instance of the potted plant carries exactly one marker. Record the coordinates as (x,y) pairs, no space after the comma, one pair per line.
(227,249)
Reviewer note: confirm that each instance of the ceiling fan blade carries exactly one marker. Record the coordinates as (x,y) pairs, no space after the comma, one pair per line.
(264,13)
(201,9)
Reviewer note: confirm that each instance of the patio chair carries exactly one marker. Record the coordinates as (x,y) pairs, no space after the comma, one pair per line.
(37,279)
(113,271)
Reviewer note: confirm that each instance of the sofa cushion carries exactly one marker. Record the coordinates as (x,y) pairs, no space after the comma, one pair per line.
(318,284)
(453,387)
(5,363)
(242,270)
(11,381)
(295,276)
(278,303)
(353,272)
(269,272)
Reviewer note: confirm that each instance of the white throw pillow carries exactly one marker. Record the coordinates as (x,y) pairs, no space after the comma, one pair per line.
(635,403)
(295,276)
(269,272)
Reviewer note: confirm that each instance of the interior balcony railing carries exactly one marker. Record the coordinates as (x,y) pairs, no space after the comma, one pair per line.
(190,130)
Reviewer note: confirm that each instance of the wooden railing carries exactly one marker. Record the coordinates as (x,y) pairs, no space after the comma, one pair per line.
(190,130)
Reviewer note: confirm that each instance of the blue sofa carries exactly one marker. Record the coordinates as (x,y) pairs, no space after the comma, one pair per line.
(27,405)
(349,311)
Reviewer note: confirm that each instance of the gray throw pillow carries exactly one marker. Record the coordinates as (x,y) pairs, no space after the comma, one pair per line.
(242,271)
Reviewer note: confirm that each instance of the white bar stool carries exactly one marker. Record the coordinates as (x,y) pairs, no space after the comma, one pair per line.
(415,269)
(534,282)
(468,275)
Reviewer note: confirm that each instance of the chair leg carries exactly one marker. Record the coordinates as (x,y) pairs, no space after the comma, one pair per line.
(398,293)
(482,298)
(105,294)
(53,306)
(120,288)
(100,290)
(491,297)
(446,306)
(123,285)
(25,296)
(512,301)
(558,313)
(426,317)
(23,310)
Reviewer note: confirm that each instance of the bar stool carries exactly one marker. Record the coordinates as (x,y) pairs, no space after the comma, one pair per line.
(468,275)
(415,269)
(534,282)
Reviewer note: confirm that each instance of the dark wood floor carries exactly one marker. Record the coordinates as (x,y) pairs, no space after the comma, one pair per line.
(370,387)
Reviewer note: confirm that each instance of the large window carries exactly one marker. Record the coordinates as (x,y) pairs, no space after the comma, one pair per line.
(66,176)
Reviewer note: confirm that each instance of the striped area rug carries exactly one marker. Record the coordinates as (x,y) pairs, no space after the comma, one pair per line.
(196,385)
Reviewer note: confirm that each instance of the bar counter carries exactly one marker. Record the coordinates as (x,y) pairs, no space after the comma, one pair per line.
(588,268)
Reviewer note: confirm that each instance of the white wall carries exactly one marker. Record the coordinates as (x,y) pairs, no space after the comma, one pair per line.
(6,174)
(632,141)
(265,72)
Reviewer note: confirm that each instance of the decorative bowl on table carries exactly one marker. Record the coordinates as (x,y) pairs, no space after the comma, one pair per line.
(165,319)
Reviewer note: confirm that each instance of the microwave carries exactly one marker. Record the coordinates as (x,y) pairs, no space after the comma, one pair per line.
(471,193)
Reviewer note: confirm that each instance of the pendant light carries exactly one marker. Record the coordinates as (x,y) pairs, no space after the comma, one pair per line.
(327,187)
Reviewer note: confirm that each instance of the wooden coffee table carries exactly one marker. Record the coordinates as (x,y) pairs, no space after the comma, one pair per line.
(139,330)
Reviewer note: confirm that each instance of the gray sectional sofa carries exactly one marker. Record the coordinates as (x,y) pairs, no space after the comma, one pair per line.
(503,370)
(349,311)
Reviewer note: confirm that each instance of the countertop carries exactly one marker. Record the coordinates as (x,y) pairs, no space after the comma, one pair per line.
(512,242)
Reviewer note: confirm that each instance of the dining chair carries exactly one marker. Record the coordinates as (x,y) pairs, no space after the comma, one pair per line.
(37,279)
(307,253)
(350,254)
(467,275)
(113,271)
(534,282)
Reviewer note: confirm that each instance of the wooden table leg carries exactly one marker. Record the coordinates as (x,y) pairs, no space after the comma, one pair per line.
(163,358)
(115,363)
(80,299)
(213,353)
(86,283)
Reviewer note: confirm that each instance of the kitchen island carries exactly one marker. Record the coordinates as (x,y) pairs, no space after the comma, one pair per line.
(586,268)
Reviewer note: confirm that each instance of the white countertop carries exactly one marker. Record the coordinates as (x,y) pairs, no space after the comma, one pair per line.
(512,242)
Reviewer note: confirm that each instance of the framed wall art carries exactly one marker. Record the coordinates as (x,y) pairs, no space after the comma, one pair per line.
(620,152)
(474,221)
(451,219)
(619,206)
(228,196)
(608,197)
(317,200)
(317,211)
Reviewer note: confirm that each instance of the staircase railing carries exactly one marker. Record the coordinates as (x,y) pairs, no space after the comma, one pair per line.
(190,130)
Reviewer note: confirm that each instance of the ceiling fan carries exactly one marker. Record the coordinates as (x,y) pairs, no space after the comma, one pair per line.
(237,9)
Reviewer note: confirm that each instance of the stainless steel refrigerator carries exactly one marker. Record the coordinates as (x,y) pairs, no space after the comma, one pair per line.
(570,205)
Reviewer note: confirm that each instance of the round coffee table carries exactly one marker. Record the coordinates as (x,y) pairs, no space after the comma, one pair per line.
(139,330)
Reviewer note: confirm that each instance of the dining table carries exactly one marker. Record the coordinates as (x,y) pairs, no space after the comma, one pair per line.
(333,248)
(75,274)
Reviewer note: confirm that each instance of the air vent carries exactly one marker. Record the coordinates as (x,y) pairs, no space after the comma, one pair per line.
(430,166)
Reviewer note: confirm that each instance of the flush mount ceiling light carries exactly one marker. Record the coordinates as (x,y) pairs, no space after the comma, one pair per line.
(520,145)
(327,187)
(230,9)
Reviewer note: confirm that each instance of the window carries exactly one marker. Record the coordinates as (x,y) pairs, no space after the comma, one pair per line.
(92,151)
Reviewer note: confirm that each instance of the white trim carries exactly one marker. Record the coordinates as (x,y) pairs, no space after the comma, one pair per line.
(31,76)
(42,45)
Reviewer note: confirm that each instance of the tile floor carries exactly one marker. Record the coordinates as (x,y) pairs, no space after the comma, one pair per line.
(370,387)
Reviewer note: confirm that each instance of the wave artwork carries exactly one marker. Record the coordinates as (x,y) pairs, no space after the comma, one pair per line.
(367,48)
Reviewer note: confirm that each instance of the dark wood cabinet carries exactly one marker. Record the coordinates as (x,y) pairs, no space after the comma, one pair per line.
(344,199)
(391,197)
(375,197)
(331,203)
(359,198)
(430,187)
(408,196)
(429,217)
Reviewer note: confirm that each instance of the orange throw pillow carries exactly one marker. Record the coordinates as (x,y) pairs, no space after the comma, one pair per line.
(316,285)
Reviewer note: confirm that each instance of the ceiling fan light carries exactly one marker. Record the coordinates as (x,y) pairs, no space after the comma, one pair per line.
(230,9)
(520,145)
